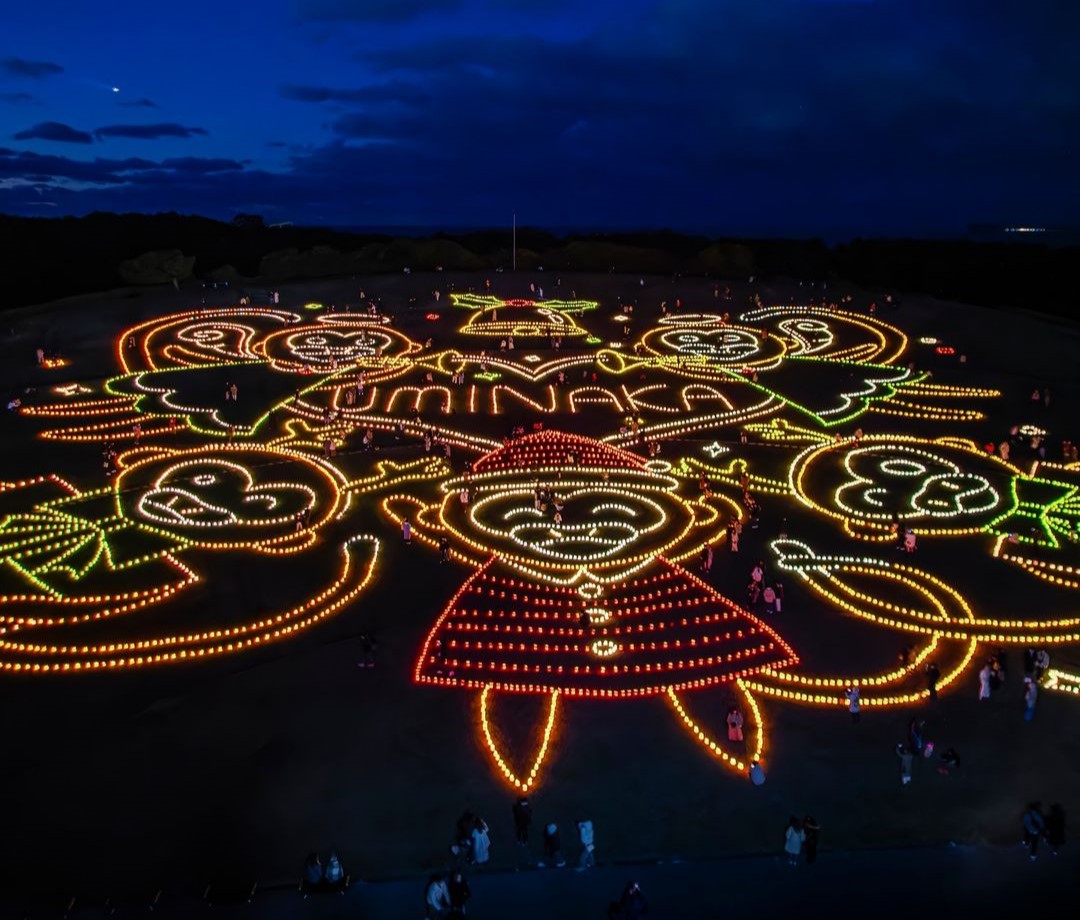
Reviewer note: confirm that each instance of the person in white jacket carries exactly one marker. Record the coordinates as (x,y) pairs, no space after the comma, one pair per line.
(437,898)
(793,841)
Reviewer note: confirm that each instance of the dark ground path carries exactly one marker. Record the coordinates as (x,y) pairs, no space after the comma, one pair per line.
(933,881)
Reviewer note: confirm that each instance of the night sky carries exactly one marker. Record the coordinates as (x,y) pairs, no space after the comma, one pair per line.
(802,117)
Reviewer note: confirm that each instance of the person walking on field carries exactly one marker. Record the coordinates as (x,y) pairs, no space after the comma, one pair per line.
(793,840)
(1034,828)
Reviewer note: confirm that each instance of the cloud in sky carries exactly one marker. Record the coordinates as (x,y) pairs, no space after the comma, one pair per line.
(15,164)
(143,103)
(54,131)
(370,10)
(17,98)
(394,91)
(149,132)
(34,70)
(785,116)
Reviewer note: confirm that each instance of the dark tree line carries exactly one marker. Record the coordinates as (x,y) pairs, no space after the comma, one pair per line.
(48,258)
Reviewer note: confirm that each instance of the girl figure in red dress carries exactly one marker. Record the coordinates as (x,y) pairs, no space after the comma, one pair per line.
(594,605)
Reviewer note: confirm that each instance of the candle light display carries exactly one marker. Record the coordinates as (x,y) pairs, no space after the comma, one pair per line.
(575,546)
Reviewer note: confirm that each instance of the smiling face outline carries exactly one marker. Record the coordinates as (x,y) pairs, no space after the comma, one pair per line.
(336,342)
(604,521)
(718,345)
(323,346)
(216,501)
(914,483)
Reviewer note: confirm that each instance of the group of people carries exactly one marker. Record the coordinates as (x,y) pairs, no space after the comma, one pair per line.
(472,845)
(801,839)
(320,876)
(1038,826)
(993,673)
(764,593)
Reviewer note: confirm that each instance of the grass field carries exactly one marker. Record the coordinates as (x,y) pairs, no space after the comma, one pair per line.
(238,766)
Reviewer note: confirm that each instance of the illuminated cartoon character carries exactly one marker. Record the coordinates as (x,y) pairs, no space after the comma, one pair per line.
(943,487)
(705,343)
(338,342)
(77,564)
(830,366)
(577,591)
(496,318)
(943,637)
(224,372)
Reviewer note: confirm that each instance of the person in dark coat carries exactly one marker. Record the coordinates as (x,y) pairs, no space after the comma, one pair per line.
(459,892)
(631,906)
(313,871)
(553,846)
(522,819)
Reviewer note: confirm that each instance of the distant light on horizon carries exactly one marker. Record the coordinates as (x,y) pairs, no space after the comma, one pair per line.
(1025,229)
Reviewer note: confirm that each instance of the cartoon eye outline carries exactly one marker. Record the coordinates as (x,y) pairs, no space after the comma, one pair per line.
(913,467)
(614,506)
(523,509)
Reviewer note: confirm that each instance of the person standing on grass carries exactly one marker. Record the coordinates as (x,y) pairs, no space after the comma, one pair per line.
(734,725)
(552,847)
(1031,694)
(522,819)
(812,830)
(481,842)
(1042,663)
(906,760)
(916,730)
(586,836)
(436,898)
(367,651)
(933,674)
(793,840)
(1034,828)
(458,889)
(984,682)
(852,694)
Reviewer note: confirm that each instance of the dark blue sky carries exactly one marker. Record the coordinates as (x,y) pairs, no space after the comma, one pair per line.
(755,116)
